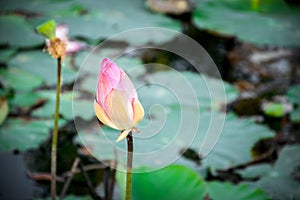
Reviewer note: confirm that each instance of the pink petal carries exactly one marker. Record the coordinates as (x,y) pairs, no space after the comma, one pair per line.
(62,32)
(112,77)
(126,85)
(73,46)
(108,79)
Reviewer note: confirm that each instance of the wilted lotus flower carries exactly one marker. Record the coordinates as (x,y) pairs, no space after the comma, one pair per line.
(72,46)
(116,104)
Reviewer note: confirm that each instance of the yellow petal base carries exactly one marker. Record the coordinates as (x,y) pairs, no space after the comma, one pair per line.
(102,116)
(123,135)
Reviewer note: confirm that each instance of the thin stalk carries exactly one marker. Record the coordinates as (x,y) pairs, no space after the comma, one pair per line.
(89,183)
(106,175)
(129,139)
(112,183)
(67,183)
(55,131)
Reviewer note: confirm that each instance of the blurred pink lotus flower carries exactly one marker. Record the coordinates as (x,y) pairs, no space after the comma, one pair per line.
(72,45)
(116,104)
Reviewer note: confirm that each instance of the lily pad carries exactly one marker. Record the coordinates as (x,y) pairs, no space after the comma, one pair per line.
(23,135)
(15,31)
(162,139)
(220,191)
(256,171)
(266,26)
(90,20)
(19,79)
(25,99)
(177,117)
(89,62)
(280,183)
(47,110)
(293,94)
(34,7)
(295,115)
(159,136)
(97,25)
(294,97)
(81,105)
(6,54)
(172,182)
(170,123)
(210,92)
(243,133)
(41,65)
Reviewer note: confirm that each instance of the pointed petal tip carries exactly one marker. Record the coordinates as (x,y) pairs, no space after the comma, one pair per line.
(123,135)
(110,68)
(106,61)
(138,110)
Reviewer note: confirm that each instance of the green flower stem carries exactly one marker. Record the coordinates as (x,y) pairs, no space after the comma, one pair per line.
(55,131)
(129,139)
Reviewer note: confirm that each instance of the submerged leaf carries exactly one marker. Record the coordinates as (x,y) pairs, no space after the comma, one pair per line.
(220,191)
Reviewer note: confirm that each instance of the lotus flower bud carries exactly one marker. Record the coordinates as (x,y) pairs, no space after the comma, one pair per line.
(116,104)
